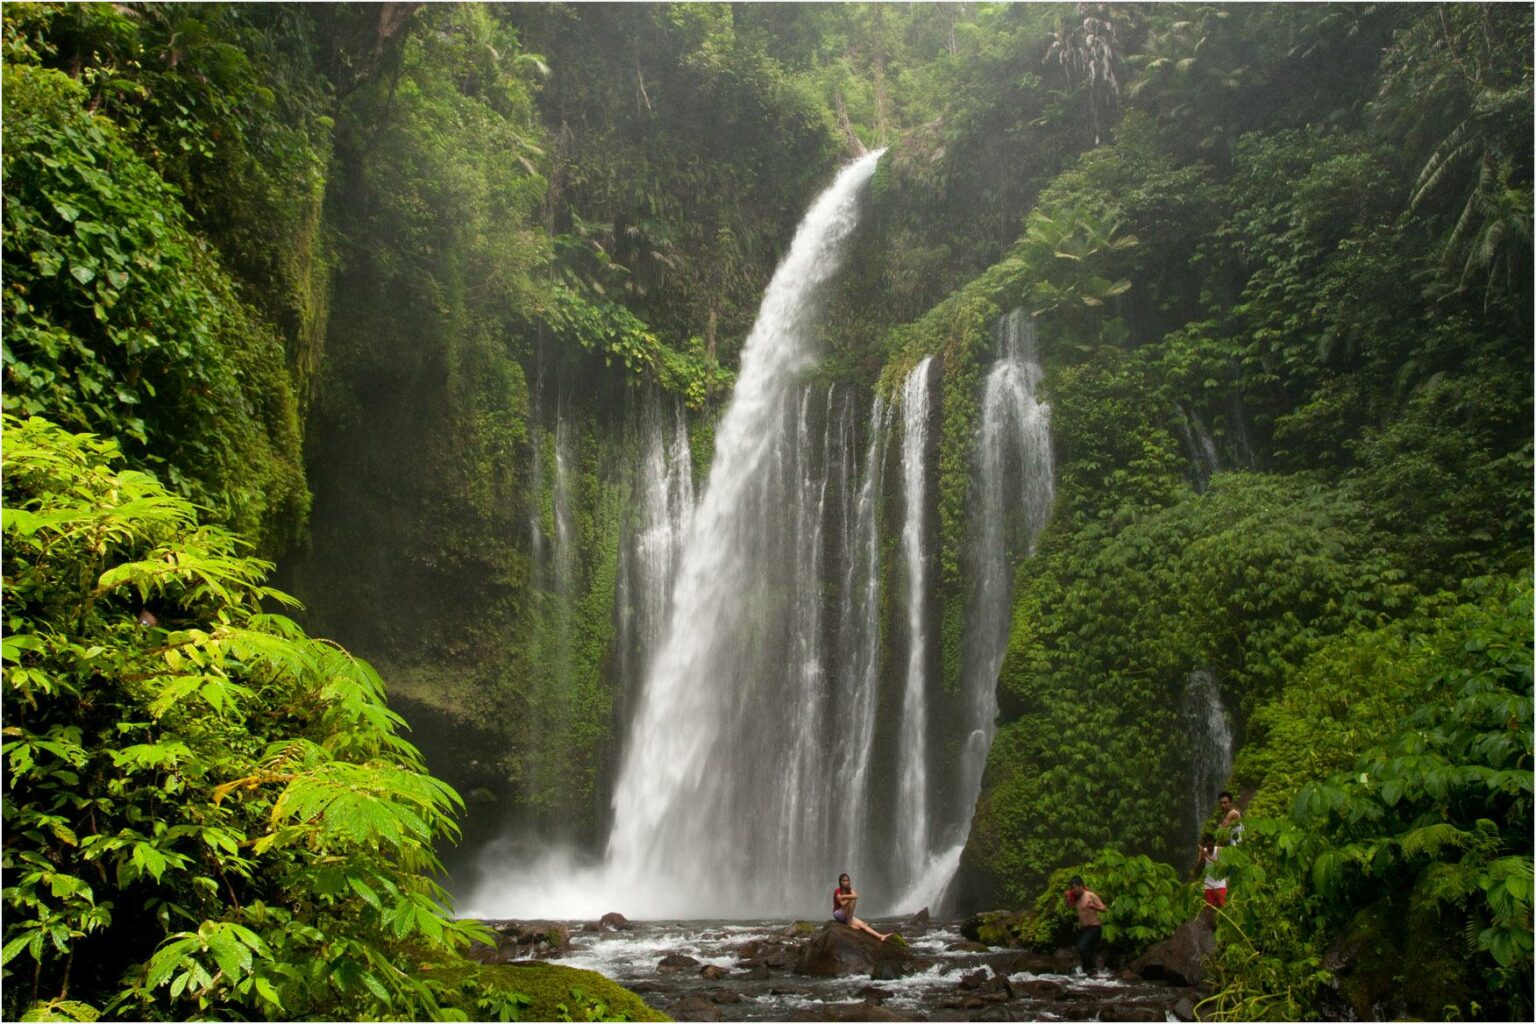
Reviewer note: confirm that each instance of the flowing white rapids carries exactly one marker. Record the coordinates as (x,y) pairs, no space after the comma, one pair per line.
(724,805)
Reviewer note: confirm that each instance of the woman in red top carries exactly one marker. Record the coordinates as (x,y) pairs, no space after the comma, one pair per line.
(844,899)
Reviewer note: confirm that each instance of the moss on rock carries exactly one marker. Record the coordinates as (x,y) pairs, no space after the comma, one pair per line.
(554,992)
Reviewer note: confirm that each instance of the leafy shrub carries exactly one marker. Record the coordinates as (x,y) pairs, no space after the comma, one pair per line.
(1146,901)
(208,813)
(1403,863)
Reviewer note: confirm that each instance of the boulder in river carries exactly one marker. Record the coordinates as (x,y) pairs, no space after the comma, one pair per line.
(518,940)
(993,928)
(615,922)
(838,949)
(1180,958)
(672,963)
(694,1007)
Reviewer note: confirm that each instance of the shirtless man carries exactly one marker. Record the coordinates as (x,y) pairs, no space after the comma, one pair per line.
(1231,818)
(844,899)
(1088,906)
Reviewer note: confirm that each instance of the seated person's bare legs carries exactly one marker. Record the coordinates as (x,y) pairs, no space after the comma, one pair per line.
(854,922)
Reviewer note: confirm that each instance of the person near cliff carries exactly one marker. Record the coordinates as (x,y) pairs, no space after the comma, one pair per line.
(1231,818)
(844,900)
(1088,906)
(1215,888)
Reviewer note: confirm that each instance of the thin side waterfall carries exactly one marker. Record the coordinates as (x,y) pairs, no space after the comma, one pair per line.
(912,795)
(803,804)
(1012,492)
(859,681)
(662,509)
(1210,743)
(1015,487)
(697,788)
(1204,463)
(564,555)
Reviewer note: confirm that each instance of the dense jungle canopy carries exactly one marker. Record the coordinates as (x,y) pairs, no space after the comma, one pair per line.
(359,302)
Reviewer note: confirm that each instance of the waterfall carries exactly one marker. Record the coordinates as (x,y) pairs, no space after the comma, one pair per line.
(697,790)
(1198,445)
(1210,743)
(564,554)
(1012,491)
(859,680)
(1015,488)
(912,794)
(661,510)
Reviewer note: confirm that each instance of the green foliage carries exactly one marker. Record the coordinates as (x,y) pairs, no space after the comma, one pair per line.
(1405,854)
(1244,581)
(1146,901)
(118,320)
(209,813)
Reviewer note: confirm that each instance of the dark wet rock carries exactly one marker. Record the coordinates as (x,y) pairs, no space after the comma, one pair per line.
(1184,1009)
(1033,963)
(992,928)
(851,1012)
(997,1011)
(614,922)
(1043,989)
(890,970)
(646,987)
(723,995)
(921,919)
(674,962)
(873,994)
(968,947)
(756,972)
(694,1007)
(1133,1012)
(519,940)
(999,985)
(837,950)
(973,980)
(712,971)
(792,990)
(1180,959)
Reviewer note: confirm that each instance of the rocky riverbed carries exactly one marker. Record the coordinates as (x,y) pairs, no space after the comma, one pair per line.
(815,971)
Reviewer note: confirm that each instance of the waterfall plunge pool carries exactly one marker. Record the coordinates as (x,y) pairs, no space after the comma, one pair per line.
(952,979)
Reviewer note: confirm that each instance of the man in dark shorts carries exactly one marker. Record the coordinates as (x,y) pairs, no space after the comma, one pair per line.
(1088,906)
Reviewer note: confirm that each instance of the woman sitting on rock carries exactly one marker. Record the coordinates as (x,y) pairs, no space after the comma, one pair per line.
(844,899)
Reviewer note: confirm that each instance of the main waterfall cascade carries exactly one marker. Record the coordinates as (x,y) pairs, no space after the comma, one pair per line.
(774,660)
